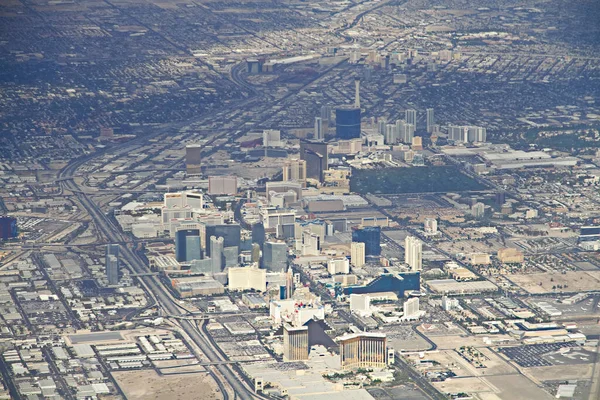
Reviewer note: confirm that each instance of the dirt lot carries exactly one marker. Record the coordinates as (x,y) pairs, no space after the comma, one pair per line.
(148,385)
(575,281)
(504,387)
(573,371)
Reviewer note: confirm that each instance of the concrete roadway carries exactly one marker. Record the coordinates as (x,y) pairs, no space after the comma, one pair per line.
(159,292)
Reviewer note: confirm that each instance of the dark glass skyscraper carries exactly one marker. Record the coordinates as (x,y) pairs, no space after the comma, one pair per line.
(187,245)
(258,233)
(231,234)
(371,237)
(275,256)
(347,123)
(315,155)
(8,228)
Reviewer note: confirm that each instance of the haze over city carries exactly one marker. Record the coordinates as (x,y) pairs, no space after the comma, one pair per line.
(284,199)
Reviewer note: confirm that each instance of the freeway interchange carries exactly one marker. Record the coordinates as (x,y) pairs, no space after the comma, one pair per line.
(222,374)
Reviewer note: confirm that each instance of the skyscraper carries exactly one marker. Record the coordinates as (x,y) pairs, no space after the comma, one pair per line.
(231,234)
(413,253)
(8,228)
(357,254)
(193,157)
(347,122)
(430,120)
(258,234)
(216,253)
(275,255)
(187,245)
(112,264)
(326,114)
(319,134)
(295,343)
(363,350)
(371,237)
(256,253)
(316,157)
(294,170)
(391,134)
(271,138)
(411,117)
(222,185)
(431,226)
(409,133)
(411,308)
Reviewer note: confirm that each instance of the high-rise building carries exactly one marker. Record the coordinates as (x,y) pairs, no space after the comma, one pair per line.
(391,134)
(112,264)
(112,269)
(400,130)
(271,138)
(254,66)
(411,117)
(348,118)
(347,122)
(275,256)
(316,157)
(231,234)
(430,120)
(411,308)
(371,237)
(294,170)
(467,134)
(188,245)
(361,304)
(357,93)
(193,157)
(457,134)
(409,133)
(363,350)
(256,253)
(357,254)
(381,126)
(216,253)
(319,134)
(431,226)
(258,234)
(231,256)
(195,200)
(326,114)
(8,228)
(295,343)
(222,185)
(500,198)
(478,210)
(311,243)
(413,253)
(339,265)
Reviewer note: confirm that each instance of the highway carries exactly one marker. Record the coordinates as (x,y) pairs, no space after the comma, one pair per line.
(155,287)
(223,374)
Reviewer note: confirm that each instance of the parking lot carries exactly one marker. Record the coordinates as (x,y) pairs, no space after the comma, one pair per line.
(533,355)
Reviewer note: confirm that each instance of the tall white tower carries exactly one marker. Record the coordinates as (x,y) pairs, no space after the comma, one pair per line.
(357,93)
(413,253)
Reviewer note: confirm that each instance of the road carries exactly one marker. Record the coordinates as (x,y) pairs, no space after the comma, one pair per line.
(156,288)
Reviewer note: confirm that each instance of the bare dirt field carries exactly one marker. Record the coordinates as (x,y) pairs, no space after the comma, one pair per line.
(572,371)
(514,387)
(544,282)
(504,387)
(148,385)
